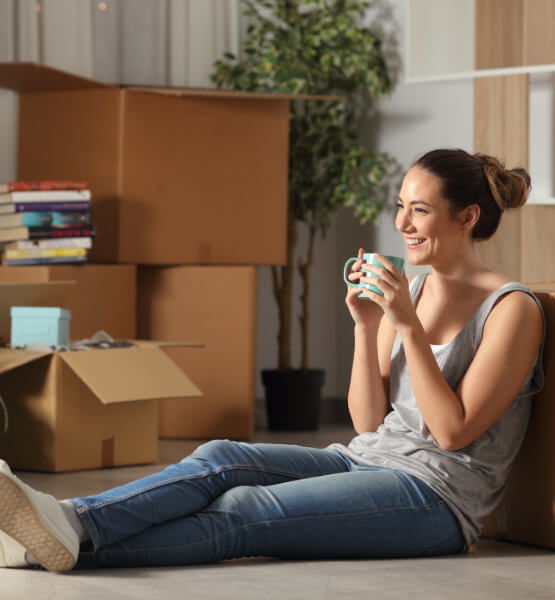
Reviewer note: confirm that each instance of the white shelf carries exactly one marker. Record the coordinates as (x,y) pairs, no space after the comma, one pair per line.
(483,73)
(441,43)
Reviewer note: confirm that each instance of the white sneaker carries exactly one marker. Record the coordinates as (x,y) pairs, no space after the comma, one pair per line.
(35,522)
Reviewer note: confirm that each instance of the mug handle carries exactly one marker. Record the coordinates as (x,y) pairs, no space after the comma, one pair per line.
(346,270)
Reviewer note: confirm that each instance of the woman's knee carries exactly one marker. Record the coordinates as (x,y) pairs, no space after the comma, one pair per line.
(215,451)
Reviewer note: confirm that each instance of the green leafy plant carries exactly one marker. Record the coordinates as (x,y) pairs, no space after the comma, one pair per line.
(317,48)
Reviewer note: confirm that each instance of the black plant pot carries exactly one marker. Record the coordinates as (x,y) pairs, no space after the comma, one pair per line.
(293,398)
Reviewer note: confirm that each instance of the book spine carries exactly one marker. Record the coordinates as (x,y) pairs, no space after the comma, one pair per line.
(69,242)
(20,186)
(45,260)
(33,219)
(49,196)
(51,206)
(64,219)
(44,253)
(47,219)
(60,232)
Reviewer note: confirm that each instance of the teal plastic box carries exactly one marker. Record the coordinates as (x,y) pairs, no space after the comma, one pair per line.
(39,325)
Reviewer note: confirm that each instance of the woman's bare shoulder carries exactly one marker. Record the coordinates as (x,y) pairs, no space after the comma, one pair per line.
(518,309)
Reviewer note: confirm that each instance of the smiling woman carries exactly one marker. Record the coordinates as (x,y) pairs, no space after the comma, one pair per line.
(445,366)
(444,370)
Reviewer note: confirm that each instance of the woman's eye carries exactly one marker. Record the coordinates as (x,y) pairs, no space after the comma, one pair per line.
(422,211)
(399,205)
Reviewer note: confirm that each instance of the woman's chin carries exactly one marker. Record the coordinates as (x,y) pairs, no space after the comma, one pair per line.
(417,260)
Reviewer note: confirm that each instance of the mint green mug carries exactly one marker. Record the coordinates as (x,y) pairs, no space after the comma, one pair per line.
(369,259)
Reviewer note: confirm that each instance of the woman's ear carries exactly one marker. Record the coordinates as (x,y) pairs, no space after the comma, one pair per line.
(468,217)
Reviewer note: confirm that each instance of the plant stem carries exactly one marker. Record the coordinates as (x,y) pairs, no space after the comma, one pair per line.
(283,292)
(304,271)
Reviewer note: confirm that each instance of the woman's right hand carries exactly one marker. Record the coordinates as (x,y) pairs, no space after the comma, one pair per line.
(364,311)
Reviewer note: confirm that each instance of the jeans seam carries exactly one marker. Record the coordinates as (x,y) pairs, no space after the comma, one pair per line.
(191,478)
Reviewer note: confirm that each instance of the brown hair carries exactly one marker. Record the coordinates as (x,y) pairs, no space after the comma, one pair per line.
(477,179)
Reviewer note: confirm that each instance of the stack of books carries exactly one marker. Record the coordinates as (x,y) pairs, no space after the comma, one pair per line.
(45,222)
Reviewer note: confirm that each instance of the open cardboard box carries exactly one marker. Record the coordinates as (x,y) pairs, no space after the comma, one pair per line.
(86,409)
(178,176)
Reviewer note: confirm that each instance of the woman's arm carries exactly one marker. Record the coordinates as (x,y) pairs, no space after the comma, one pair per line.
(511,338)
(510,341)
(369,387)
(373,340)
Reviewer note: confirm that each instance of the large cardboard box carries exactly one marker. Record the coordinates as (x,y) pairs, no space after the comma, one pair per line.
(216,305)
(178,176)
(86,409)
(527,511)
(104,296)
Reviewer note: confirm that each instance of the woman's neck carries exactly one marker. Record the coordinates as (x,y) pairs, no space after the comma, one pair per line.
(452,276)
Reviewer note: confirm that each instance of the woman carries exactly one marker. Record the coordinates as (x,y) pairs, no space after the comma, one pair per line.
(443,374)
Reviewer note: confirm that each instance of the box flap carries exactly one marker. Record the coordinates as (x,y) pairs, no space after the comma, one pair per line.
(34,77)
(129,374)
(161,344)
(47,293)
(218,93)
(11,359)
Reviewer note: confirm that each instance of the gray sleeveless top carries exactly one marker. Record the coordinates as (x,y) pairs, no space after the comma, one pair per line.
(470,480)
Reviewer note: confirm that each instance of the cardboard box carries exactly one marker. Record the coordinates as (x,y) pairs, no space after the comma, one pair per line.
(103,296)
(178,176)
(86,409)
(216,305)
(527,511)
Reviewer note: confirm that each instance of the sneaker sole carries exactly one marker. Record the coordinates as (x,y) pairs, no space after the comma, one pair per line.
(19,520)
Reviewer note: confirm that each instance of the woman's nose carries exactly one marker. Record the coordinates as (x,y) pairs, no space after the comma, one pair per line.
(403,222)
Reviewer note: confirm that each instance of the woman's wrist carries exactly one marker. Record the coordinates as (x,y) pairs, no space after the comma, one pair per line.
(367,329)
(412,332)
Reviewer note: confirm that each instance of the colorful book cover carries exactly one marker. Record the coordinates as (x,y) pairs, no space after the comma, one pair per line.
(44,253)
(46,219)
(45,260)
(63,219)
(46,206)
(20,186)
(67,242)
(59,232)
(46,196)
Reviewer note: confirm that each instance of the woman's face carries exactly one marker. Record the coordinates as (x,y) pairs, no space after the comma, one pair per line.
(432,234)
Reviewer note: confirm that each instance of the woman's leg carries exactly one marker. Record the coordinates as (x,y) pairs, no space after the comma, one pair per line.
(366,513)
(195,483)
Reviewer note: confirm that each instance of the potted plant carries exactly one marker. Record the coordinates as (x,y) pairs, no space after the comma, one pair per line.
(313,47)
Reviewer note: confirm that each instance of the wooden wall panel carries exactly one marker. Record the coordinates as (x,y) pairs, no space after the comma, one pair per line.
(501,118)
(537,256)
(501,129)
(539,32)
(499,33)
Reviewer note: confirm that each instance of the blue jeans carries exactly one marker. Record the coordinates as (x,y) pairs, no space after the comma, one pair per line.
(233,499)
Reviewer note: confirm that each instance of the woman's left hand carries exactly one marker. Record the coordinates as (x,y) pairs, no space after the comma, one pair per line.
(396,301)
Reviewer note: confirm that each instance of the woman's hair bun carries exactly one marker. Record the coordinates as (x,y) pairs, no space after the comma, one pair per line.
(509,187)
